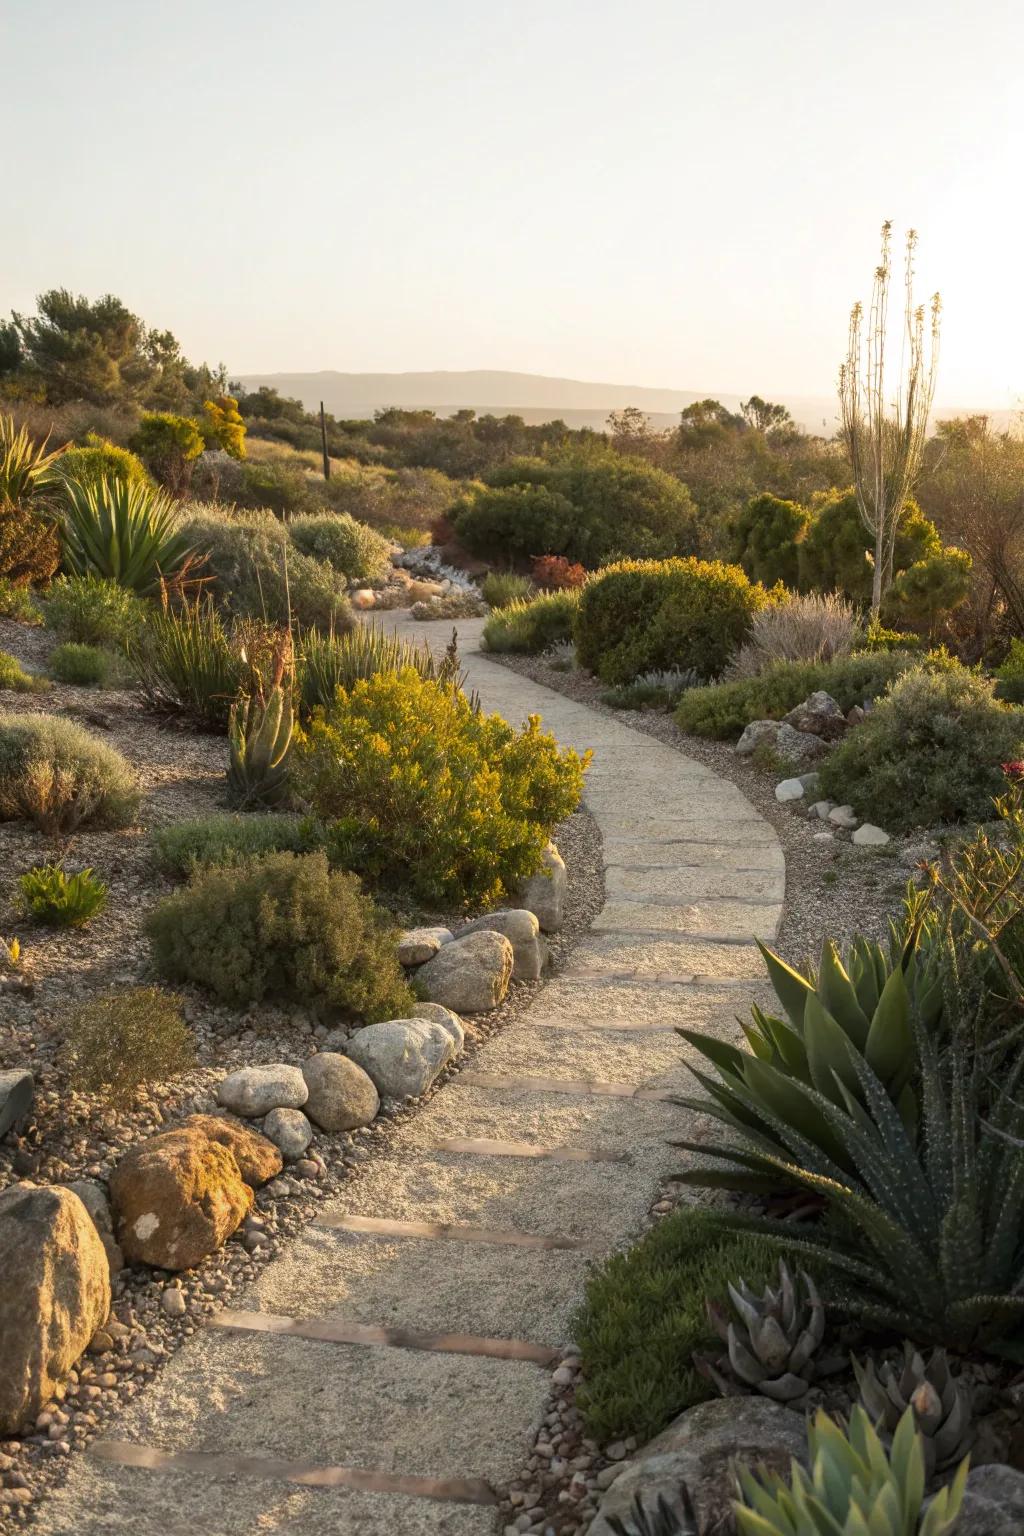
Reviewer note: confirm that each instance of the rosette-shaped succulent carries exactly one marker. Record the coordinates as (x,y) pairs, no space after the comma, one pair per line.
(941,1403)
(772,1341)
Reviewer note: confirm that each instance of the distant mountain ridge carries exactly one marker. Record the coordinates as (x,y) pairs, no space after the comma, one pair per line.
(534,396)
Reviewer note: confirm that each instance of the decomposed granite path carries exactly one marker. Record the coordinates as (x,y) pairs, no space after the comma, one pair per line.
(386,1373)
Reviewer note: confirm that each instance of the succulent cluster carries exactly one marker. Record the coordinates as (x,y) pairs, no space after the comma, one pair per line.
(772,1341)
(940,1401)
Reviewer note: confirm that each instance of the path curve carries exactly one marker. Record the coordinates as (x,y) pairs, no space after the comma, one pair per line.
(390,1367)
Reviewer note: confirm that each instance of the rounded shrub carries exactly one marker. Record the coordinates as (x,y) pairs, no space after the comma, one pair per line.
(98,459)
(647,615)
(93,610)
(84,666)
(496,521)
(284,926)
(930,751)
(120,1042)
(54,773)
(258,573)
(530,627)
(357,552)
(835,553)
(767,534)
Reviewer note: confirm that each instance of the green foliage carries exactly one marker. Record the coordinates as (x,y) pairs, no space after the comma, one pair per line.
(357,552)
(98,459)
(259,743)
(877,638)
(29,546)
(645,1314)
(652,690)
(185,846)
(94,610)
(528,628)
(329,662)
(930,751)
(926,593)
(768,533)
(168,444)
(50,895)
(283,488)
(426,795)
(725,709)
(640,615)
(223,427)
(124,532)
(55,774)
(853,1487)
(14,677)
(834,554)
(189,663)
(28,475)
(811,626)
(283,926)
(16,602)
(502,588)
(587,507)
(84,666)
(1010,676)
(122,1041)
(259,574)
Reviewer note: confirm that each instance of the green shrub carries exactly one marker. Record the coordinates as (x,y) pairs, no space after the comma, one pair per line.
(767,536)
(355,551)
(723,710)
(223,426)
(99,459)
(430,797)
(930,751)
(496,521)
(835,554)
(29,545)
(258,574)
(124,1041)
(17,603)
(284,489)
(84,666)
(877,638)
(190,663)
(1010,676)
(926,593)
(93,610)
(651,690)
(809,626)
(645,1314)
(283,926)
(327,662)
(14,677)
(501,588)
(636,616)
(50,895)
(54,773)
(533,627)
(124,532)
(168,445)
(221,839)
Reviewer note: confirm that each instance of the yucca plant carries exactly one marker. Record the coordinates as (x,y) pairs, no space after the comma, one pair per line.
(187,664)
(27,473)
(327,662)
(50,895)
(260,737)
(852,1488)
(856,1010)
(126,532)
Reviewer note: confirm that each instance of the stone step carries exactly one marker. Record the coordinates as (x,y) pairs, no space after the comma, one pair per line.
(690,884)
(642,1004)
(715,918)
(679,957)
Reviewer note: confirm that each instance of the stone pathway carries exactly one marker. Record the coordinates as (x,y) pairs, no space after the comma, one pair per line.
(390,1367)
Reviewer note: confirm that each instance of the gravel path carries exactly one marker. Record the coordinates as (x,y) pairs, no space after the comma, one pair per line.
(390,1368)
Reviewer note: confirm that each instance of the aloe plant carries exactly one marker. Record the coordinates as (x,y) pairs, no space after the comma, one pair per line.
(853,1488)
(259,741)
(939,1401)
(126,532)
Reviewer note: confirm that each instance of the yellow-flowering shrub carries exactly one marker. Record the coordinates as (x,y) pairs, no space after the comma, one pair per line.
(423,793)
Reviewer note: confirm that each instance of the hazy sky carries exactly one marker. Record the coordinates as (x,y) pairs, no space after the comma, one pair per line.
(669,193)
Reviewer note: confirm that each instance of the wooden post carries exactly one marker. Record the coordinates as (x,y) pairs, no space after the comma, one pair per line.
(323,440)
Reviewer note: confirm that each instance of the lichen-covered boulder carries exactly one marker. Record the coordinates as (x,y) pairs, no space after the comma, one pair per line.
(54,1294)
(257,1157)
(469,975)
(176,1198)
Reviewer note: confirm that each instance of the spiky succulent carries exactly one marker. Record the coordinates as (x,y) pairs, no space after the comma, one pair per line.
(658,1518)
(853,1488)
(772,1341)
(126,532)
(259,741)
(941,1403)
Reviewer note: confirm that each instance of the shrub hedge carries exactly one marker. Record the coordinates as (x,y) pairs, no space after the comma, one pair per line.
(530,627)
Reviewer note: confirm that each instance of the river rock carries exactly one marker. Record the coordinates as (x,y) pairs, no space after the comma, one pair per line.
(419,944)
(258,1158)
(868,835)
(402,1056)
(54,1294)
(176,1198)
(698,1449)
(993,1502)
(843,816)
(546,892)
(522,929)
(469,975)
(17,1090)
(341,1095)
(819,715)
(255,1091)
(447,1020)
(290,1132)
(94,1197)
(789,789)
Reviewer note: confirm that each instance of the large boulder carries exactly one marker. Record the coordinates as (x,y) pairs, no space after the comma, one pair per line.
(448,1021)
(699,1449)
(522,929)
(54,1294)
(993,1502)
(255,1091)
(469,975)
(546,892)
(17,1090)
(94,1197)
(416,945)
(176,1198)
(258,1158)
(795,746)
(820,715)
(402,1056)
(341,1094)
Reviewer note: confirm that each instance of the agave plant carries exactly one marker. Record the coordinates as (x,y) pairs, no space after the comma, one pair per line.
(27,473)
(260,736)
(853,1488)
(126,532)
(772,1341)
(852,1014)
(660,1519)
(940,1402)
